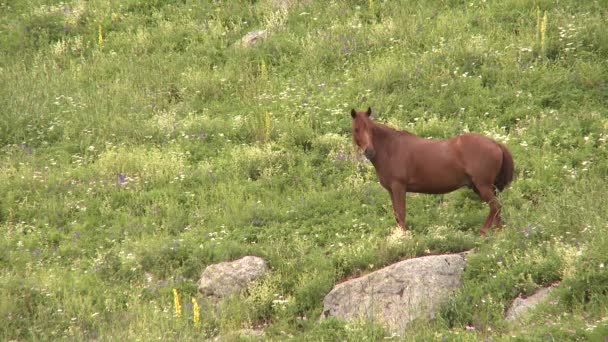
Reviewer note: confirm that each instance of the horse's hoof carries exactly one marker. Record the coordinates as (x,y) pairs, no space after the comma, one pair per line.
(398,234)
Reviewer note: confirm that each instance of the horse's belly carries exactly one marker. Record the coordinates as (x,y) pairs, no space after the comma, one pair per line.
(437,184)
(434,189)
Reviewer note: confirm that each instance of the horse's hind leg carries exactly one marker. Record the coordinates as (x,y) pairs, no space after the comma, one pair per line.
(487,194)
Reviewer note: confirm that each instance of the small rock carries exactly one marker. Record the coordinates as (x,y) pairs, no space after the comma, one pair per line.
(282,4)
(246,334)
(520,305)
(226,278)
(253,37)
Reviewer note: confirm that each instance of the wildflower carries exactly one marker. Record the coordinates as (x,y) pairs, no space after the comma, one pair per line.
(195,312)
(100,39)
(178,308)
(538,22)
(263,72)
(121,179)
(543,28)
(25,148)
(267,127)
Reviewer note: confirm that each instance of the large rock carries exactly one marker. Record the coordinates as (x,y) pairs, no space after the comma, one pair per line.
(227,278)
(521,306)
(398,294)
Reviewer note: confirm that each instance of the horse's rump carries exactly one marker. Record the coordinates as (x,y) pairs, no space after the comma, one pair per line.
(505,176)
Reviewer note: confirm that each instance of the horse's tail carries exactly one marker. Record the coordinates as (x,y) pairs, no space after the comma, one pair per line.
(505,175)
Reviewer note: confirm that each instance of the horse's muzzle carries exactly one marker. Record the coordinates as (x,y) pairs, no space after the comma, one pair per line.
(369,153)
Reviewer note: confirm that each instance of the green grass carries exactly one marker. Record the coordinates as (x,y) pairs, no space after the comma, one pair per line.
(131,162)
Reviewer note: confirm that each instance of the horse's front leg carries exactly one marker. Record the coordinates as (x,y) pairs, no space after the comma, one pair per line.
(397,192)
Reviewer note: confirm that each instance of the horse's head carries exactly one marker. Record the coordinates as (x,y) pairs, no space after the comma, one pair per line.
(362,132)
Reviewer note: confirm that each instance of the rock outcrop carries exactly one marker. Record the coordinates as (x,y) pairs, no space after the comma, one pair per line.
(398,294)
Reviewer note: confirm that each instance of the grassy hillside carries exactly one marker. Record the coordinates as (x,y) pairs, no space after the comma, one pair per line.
(139,143)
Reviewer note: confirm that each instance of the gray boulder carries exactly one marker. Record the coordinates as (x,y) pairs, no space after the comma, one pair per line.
(398,294)
(283,4)
(242,335)
(226,278)
(521,306)
(253,37)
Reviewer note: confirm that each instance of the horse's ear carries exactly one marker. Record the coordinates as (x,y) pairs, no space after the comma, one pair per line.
(369,111)
(353,113)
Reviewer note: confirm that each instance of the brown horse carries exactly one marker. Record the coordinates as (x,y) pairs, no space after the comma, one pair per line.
(405,163)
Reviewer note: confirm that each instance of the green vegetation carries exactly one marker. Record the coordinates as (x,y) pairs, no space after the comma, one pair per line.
(139,143)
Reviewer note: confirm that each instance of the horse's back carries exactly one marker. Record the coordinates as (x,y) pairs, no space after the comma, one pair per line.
(473,144)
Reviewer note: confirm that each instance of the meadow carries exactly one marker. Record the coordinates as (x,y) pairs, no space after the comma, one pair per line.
(139,143)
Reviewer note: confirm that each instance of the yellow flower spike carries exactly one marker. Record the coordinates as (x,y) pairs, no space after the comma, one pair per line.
(537,23)
(267,127)
(543,28)
(178,307)
(195,312)
(263,72)
(371,5)
(100,36)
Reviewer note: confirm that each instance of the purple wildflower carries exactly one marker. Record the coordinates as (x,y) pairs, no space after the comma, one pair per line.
(121,179)
(25,148)
(341,155)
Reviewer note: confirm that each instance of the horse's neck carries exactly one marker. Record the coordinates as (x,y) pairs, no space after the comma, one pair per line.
(383,135)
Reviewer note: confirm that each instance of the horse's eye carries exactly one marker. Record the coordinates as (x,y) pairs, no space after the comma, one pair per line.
(356,130)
